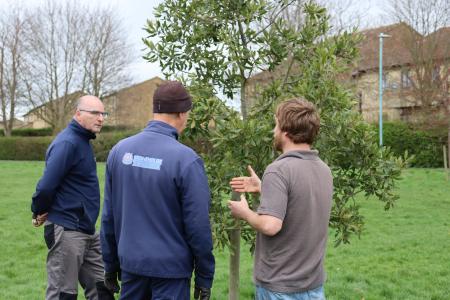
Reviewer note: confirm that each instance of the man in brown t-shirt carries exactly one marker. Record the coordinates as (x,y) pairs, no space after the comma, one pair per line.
(292,219)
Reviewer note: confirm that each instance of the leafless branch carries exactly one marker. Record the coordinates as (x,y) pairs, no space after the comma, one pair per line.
(73,49)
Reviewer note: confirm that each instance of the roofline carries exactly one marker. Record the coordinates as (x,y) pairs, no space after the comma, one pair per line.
(131,86)
(388,27)
(108,95)
(43,104)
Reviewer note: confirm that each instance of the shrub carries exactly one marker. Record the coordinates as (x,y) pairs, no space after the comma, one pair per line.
(29,132)
(24,148)
(105,141)
(34,148)
(425,146)
(32,132)
(117,128)
(48,131)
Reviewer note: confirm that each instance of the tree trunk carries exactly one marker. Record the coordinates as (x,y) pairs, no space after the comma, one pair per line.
(235,234)
(243,99)
(448,150)
(235,251)
(235,254)
(2,96)
(6,129)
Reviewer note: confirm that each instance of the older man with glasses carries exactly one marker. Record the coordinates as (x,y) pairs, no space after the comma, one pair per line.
(67,199)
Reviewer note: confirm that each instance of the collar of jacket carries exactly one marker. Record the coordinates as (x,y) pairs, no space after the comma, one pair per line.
(163,128)
(80,130)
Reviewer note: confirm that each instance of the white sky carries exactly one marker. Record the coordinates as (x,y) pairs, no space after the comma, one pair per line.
(135,13)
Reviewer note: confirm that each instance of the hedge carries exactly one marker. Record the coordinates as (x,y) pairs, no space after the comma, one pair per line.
(24,148)
(29,132)
(48,131)
(105,141)
(424,146)
(34,148)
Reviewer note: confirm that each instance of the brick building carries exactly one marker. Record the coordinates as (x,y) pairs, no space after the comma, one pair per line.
(130,107)
(399,102)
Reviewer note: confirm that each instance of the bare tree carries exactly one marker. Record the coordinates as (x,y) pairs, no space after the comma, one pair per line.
(345,15)
(12,52)
(429,48)
(424,16)
(73,49)
(54,59)
(106,53)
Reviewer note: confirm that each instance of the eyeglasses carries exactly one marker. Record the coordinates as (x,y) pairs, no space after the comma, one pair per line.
(96,113)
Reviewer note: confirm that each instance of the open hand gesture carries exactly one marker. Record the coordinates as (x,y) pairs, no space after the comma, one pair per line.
(249,184)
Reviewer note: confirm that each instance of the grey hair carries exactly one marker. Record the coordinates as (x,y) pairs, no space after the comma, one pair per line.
(77,103)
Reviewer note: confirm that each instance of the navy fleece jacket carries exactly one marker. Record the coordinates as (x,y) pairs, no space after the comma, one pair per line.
(155,219)
(68,189)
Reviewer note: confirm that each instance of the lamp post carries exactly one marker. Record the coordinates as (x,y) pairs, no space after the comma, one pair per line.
(380,85)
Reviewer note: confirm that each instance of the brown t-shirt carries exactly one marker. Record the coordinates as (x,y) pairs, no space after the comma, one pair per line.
(296,188)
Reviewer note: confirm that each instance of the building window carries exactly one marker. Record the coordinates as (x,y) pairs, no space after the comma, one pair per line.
(384,80)
(406,81)
(388,83)
(406,113)
(359,96)
(436,76)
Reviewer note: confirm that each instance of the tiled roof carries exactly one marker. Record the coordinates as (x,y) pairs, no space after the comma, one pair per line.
(396,51)
(440,38)
(395,48)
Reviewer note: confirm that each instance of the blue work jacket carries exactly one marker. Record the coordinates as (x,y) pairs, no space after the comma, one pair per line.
(155,219)
(68,190)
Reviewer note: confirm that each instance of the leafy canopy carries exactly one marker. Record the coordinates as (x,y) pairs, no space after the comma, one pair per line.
(217,44)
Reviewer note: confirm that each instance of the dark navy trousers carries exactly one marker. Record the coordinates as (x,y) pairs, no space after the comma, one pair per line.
(136,287)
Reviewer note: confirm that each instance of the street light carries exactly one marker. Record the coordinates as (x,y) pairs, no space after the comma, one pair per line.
(380,85)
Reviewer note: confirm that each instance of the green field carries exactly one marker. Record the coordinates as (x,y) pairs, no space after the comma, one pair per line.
(403,253)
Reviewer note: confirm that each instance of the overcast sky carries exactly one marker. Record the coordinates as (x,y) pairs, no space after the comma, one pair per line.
(136,12)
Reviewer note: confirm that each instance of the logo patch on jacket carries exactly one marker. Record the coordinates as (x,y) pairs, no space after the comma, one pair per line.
(139,161)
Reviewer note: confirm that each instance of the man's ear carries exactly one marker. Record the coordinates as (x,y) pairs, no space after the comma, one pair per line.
(286,135)
(77,114)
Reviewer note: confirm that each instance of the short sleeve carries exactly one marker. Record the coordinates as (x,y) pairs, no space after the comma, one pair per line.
(274,196)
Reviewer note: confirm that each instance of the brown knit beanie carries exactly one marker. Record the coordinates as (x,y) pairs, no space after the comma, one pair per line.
(171,97)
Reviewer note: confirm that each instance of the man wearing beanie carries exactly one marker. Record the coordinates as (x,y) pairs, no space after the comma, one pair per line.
(155,228)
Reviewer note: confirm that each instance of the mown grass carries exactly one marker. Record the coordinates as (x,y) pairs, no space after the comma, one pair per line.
(403,253)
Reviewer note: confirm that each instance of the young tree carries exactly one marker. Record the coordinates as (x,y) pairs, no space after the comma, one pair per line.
(12,63)
(73,49)
(429,48)
(219,41)
(218,45)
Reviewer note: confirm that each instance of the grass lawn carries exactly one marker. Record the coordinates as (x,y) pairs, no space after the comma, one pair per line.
(403,254)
